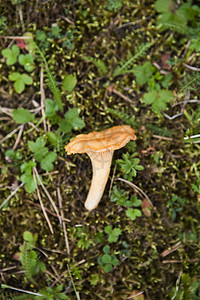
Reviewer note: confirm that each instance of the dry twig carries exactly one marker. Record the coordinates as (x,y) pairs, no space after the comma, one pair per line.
(40,200)
(48,195)
(11,195)
(64,225)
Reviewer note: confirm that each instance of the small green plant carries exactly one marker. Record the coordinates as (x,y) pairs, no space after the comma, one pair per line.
(187,287)
(107,261)
(42,154)
(124,67)
(27,176)
(114,5)
(84,242)
(129,165)
(11,55)
(45,37)
(176,205)
(27,61)
(113,233)
(20,81)
(3,24)
(28,257)
(71,121)
(22,116)
(158,100)
(180,18)
(69,83)
(127,65)
(143,73)
(55,293)
(126,118)
(196,189)
(14,155)
(121,198)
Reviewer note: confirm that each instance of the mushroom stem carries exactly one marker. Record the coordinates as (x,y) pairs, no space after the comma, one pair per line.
(101,162)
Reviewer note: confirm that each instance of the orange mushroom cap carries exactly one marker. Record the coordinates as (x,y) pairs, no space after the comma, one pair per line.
(109,139)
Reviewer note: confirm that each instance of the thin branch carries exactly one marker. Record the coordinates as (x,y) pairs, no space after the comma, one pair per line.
(5,286)
(138,294)
(177,286)
(162,137)
(10,134)
(18,137)
(11,195)
(173,117)
(135,187)
(112,179)
(7,111)
(191,68)
(48,195)
(122,96)
(64,225)
(12,37)
(40,200)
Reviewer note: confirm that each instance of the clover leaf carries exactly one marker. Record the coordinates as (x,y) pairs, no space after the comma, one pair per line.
(158,100)
(11,55)
(27,61)
(113,234)
(71,121)
(20,81)
(133,213)
(143,73)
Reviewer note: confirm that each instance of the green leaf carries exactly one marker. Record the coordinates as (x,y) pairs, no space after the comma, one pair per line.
(37,145)
(119,196)
(11,55)
(52,138)
(20,81)
(106,258)
(28,179)
(14,76)
(115,261)
(133,213)
(72,116)
(69,83)
(22,116)
(143,73)
(108,268)
(19,85)
(158,99)
(27,167)
(129,165)
(29,237)
(26,79)
(65,126)
(71,120)
(114,235)
(27,61)
(134,201)
(106,249)
(47,161)
(50,108)
(108,229)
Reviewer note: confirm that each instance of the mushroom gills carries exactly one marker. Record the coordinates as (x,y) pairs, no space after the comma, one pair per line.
(101,162)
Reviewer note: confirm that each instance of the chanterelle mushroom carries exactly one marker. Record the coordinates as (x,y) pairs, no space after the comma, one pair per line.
(100,147)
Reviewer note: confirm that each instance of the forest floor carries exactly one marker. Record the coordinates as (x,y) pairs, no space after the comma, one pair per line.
(74,67)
